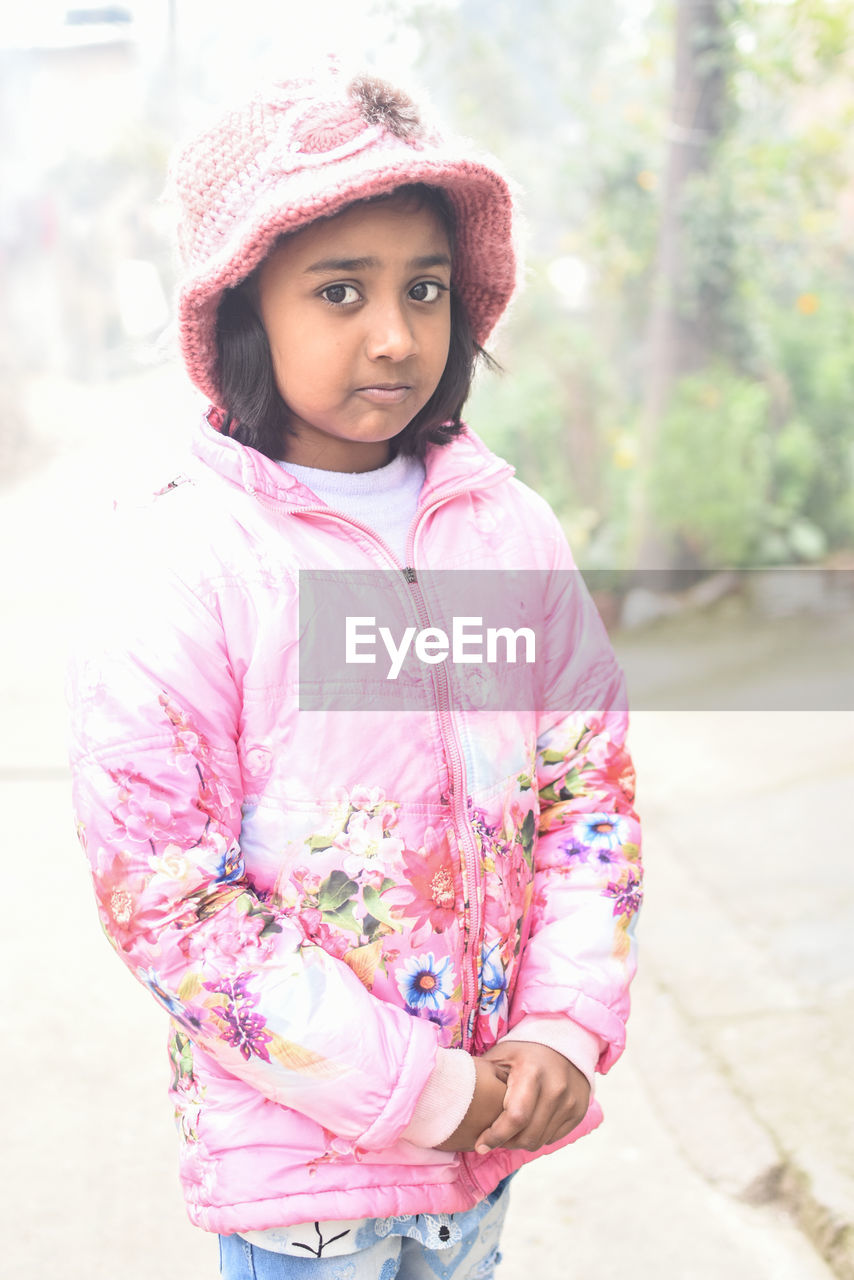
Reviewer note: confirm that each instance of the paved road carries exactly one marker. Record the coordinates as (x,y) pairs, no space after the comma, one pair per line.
(729,1116)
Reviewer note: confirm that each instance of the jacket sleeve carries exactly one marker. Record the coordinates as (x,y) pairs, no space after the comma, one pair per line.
(580,956)
(156,715)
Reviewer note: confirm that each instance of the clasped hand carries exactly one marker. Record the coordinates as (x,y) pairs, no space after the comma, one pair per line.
(526,1096)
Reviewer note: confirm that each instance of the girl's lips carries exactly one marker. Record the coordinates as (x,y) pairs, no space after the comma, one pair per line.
(384,395)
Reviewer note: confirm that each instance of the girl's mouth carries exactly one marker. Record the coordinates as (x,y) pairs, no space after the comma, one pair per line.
(389,393)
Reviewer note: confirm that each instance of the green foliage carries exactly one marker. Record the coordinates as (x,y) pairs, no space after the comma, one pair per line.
(550,412)
(713,468)
(755,460)
(814,347)
(731,489)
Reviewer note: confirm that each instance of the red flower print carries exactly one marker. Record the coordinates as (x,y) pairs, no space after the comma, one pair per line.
(131,900)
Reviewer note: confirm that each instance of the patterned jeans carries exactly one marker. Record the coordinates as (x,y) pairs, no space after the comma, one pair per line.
(416,1247)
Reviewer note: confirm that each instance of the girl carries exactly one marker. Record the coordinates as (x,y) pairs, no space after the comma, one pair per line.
(393,946)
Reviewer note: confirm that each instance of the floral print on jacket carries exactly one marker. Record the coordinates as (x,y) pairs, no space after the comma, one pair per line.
(322,900)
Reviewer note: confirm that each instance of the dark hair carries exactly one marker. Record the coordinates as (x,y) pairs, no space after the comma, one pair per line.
(257,415)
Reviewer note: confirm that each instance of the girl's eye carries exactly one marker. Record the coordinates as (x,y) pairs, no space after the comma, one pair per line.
(426,291)
(340,294)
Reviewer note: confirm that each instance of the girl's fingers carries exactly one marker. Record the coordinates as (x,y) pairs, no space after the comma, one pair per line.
(524,1124)
(566,1126)
(541,1104)
(520,1101)
(531,1131)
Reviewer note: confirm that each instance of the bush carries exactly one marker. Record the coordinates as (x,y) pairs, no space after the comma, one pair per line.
(709,480)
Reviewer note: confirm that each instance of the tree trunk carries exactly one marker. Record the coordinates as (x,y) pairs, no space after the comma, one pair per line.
(682,331)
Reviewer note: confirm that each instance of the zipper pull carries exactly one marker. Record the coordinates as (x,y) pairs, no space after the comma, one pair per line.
(409,574)
(173,484)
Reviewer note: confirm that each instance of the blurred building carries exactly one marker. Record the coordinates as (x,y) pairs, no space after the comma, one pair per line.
(75,84)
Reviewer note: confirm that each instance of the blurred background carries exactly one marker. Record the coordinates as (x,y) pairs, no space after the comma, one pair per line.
(679,382)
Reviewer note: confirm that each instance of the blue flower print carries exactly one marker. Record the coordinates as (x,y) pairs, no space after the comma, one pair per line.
(230,866)
(175,1007)
(493,982)
(426,984)
(601,830)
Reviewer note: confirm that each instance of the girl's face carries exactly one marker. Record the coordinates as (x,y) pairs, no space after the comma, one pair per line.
(357,313)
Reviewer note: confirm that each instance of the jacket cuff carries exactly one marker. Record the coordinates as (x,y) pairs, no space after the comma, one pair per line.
(558,1032)
(444,1100)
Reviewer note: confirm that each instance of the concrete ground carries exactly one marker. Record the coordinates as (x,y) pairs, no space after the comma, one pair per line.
(727,1147)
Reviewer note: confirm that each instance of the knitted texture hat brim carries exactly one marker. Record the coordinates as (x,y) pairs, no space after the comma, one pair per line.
(307,149)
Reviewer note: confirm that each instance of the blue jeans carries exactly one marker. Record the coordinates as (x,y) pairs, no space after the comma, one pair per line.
(471,1255)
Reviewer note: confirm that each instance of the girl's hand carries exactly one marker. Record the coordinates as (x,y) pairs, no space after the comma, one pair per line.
(546,1098)
(485,1108)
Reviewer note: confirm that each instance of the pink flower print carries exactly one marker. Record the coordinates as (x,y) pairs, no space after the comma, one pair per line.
(234,939)
(612,771)
(310,921)
(512,869)
(626,779)
(515,817)
(131,907)
(257,765)
(508,890)
(372,800)
(188,745)
(307,881)
(598,749)
(215,798)
(429,896)
(500,913)
(185,750)
(367,797)
(142,817)
(366,842)
(124,782)
(317,932)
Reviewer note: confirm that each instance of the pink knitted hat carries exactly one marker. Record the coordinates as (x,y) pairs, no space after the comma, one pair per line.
(305,149)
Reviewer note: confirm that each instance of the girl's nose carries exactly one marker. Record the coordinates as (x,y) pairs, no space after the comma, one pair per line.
(390,334)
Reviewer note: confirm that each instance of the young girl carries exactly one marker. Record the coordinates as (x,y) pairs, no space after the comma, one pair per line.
(393,946)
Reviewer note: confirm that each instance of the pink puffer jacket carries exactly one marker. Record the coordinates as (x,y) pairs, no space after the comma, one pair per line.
(322,899)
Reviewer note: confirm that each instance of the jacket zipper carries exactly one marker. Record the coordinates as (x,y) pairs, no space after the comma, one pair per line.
(457,798)
(472,886)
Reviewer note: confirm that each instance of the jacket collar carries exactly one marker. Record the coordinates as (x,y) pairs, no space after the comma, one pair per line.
(464,464)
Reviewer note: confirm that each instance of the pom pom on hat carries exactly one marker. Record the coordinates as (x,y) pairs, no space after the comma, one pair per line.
(382,104)
(307,148)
